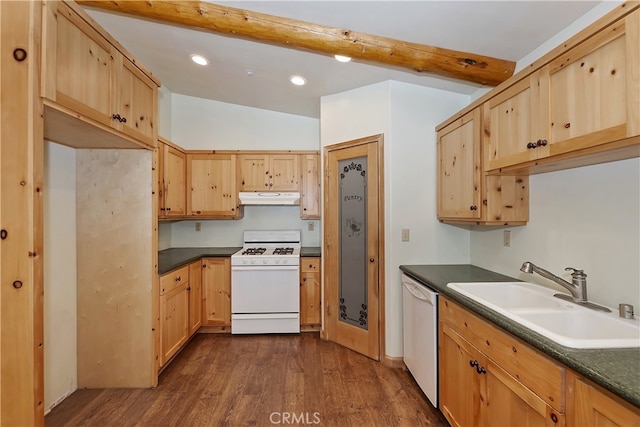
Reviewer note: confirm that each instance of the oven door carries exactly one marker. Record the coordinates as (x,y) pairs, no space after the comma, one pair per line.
(265,289)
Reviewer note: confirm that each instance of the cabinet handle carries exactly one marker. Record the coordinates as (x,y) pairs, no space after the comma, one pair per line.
(116,117)
(554,418)
(473,363)
(542,143)
(188,288)
(3,234)
(123,120)
(481,370)
(531,145)
(178,279)
(473,208)
(266,185)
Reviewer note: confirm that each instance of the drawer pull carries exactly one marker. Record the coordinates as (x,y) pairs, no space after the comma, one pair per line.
(515,350)
(178,279)
(481,370)
(473,363)
(554,418)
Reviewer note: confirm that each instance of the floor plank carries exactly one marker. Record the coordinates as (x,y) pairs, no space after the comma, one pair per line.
(260,380)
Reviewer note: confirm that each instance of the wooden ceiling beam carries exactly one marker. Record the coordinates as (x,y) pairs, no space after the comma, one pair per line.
(306,36)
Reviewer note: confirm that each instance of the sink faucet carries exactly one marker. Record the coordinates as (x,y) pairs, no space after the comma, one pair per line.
(577,287)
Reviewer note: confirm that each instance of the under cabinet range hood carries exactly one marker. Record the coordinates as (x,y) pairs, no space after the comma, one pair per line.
(269,198)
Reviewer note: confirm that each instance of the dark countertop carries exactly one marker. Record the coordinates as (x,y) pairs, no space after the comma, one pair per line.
(170,259)
(311,251)
(617,370)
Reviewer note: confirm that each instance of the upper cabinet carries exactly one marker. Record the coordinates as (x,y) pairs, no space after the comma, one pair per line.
(172,165)
(211,186)
(310,188)
(269,172)
(466,194)
(583,103)
(87,75)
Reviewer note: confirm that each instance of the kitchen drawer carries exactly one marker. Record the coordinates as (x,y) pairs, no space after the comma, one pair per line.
(172,280)
(309,264)
(534,370)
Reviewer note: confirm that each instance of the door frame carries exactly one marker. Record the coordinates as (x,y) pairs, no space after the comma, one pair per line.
(327,333)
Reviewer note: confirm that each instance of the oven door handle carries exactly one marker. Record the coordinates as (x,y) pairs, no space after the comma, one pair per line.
(264,267)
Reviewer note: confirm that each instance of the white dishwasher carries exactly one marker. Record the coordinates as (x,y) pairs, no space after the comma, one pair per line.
(420,333)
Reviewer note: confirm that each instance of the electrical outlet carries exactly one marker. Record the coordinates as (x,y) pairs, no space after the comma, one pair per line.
(506,238)
(310,226)
(198,226)
(405,234)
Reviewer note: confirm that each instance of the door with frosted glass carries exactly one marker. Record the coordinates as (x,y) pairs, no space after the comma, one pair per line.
(352,245)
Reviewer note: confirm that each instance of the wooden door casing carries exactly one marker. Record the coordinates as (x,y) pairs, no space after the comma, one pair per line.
(370,341)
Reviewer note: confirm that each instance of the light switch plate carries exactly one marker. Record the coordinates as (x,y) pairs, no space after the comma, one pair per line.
(506,237)
(310,226)
(405,234)
(198,226)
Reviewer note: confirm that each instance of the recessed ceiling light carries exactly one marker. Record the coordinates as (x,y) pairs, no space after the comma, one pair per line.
(342,58)
(199,59)
(298,80)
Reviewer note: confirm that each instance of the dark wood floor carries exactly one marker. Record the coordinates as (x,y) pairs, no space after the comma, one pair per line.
(219,380)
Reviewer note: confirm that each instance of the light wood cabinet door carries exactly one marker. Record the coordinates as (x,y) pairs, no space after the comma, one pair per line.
(254,172)
(174,307)
(283,172)
(589,406)
(310,188)
(173,182)
(85,69)
(310,292)
(459,170)
(460,384)
(211,185)
(269,172)
(137,103)
(195,296)
(595,89)
(216,288)
(509,403)
(513,123)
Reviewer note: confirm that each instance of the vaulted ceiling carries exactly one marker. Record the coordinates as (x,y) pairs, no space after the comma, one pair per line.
(255,73)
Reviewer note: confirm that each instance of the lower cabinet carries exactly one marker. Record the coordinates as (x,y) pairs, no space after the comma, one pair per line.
(216,289)
(174,312)
(310,294)
(489,378)
(589,405)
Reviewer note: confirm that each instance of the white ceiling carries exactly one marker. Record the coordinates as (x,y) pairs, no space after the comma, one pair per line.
(503,29)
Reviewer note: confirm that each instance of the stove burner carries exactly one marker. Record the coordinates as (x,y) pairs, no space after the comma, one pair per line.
(283,251)
(254,251)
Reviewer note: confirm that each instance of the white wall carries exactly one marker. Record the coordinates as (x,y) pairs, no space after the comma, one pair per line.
(164,112)
(585,218)
(199,124)
(60,319)
(406,115)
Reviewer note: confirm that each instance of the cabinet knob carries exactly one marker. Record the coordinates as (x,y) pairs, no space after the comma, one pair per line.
(554,418)
(178,279)
(188,288)
(481,370)
(473,208)
(3,234)
(115,117)
(123,120)
(541,143)
(531,145)
(473,363)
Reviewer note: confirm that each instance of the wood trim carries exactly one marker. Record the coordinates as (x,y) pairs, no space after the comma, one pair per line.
(394,362)
(21,214)
(618,13)
(251,152)
(294,34)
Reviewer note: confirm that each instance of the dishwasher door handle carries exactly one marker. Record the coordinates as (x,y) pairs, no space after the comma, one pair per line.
(417,293)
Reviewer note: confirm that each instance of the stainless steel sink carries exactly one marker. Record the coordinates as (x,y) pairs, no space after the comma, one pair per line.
(568,324)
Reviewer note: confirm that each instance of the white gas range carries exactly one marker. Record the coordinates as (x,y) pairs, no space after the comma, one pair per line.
(265,283)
